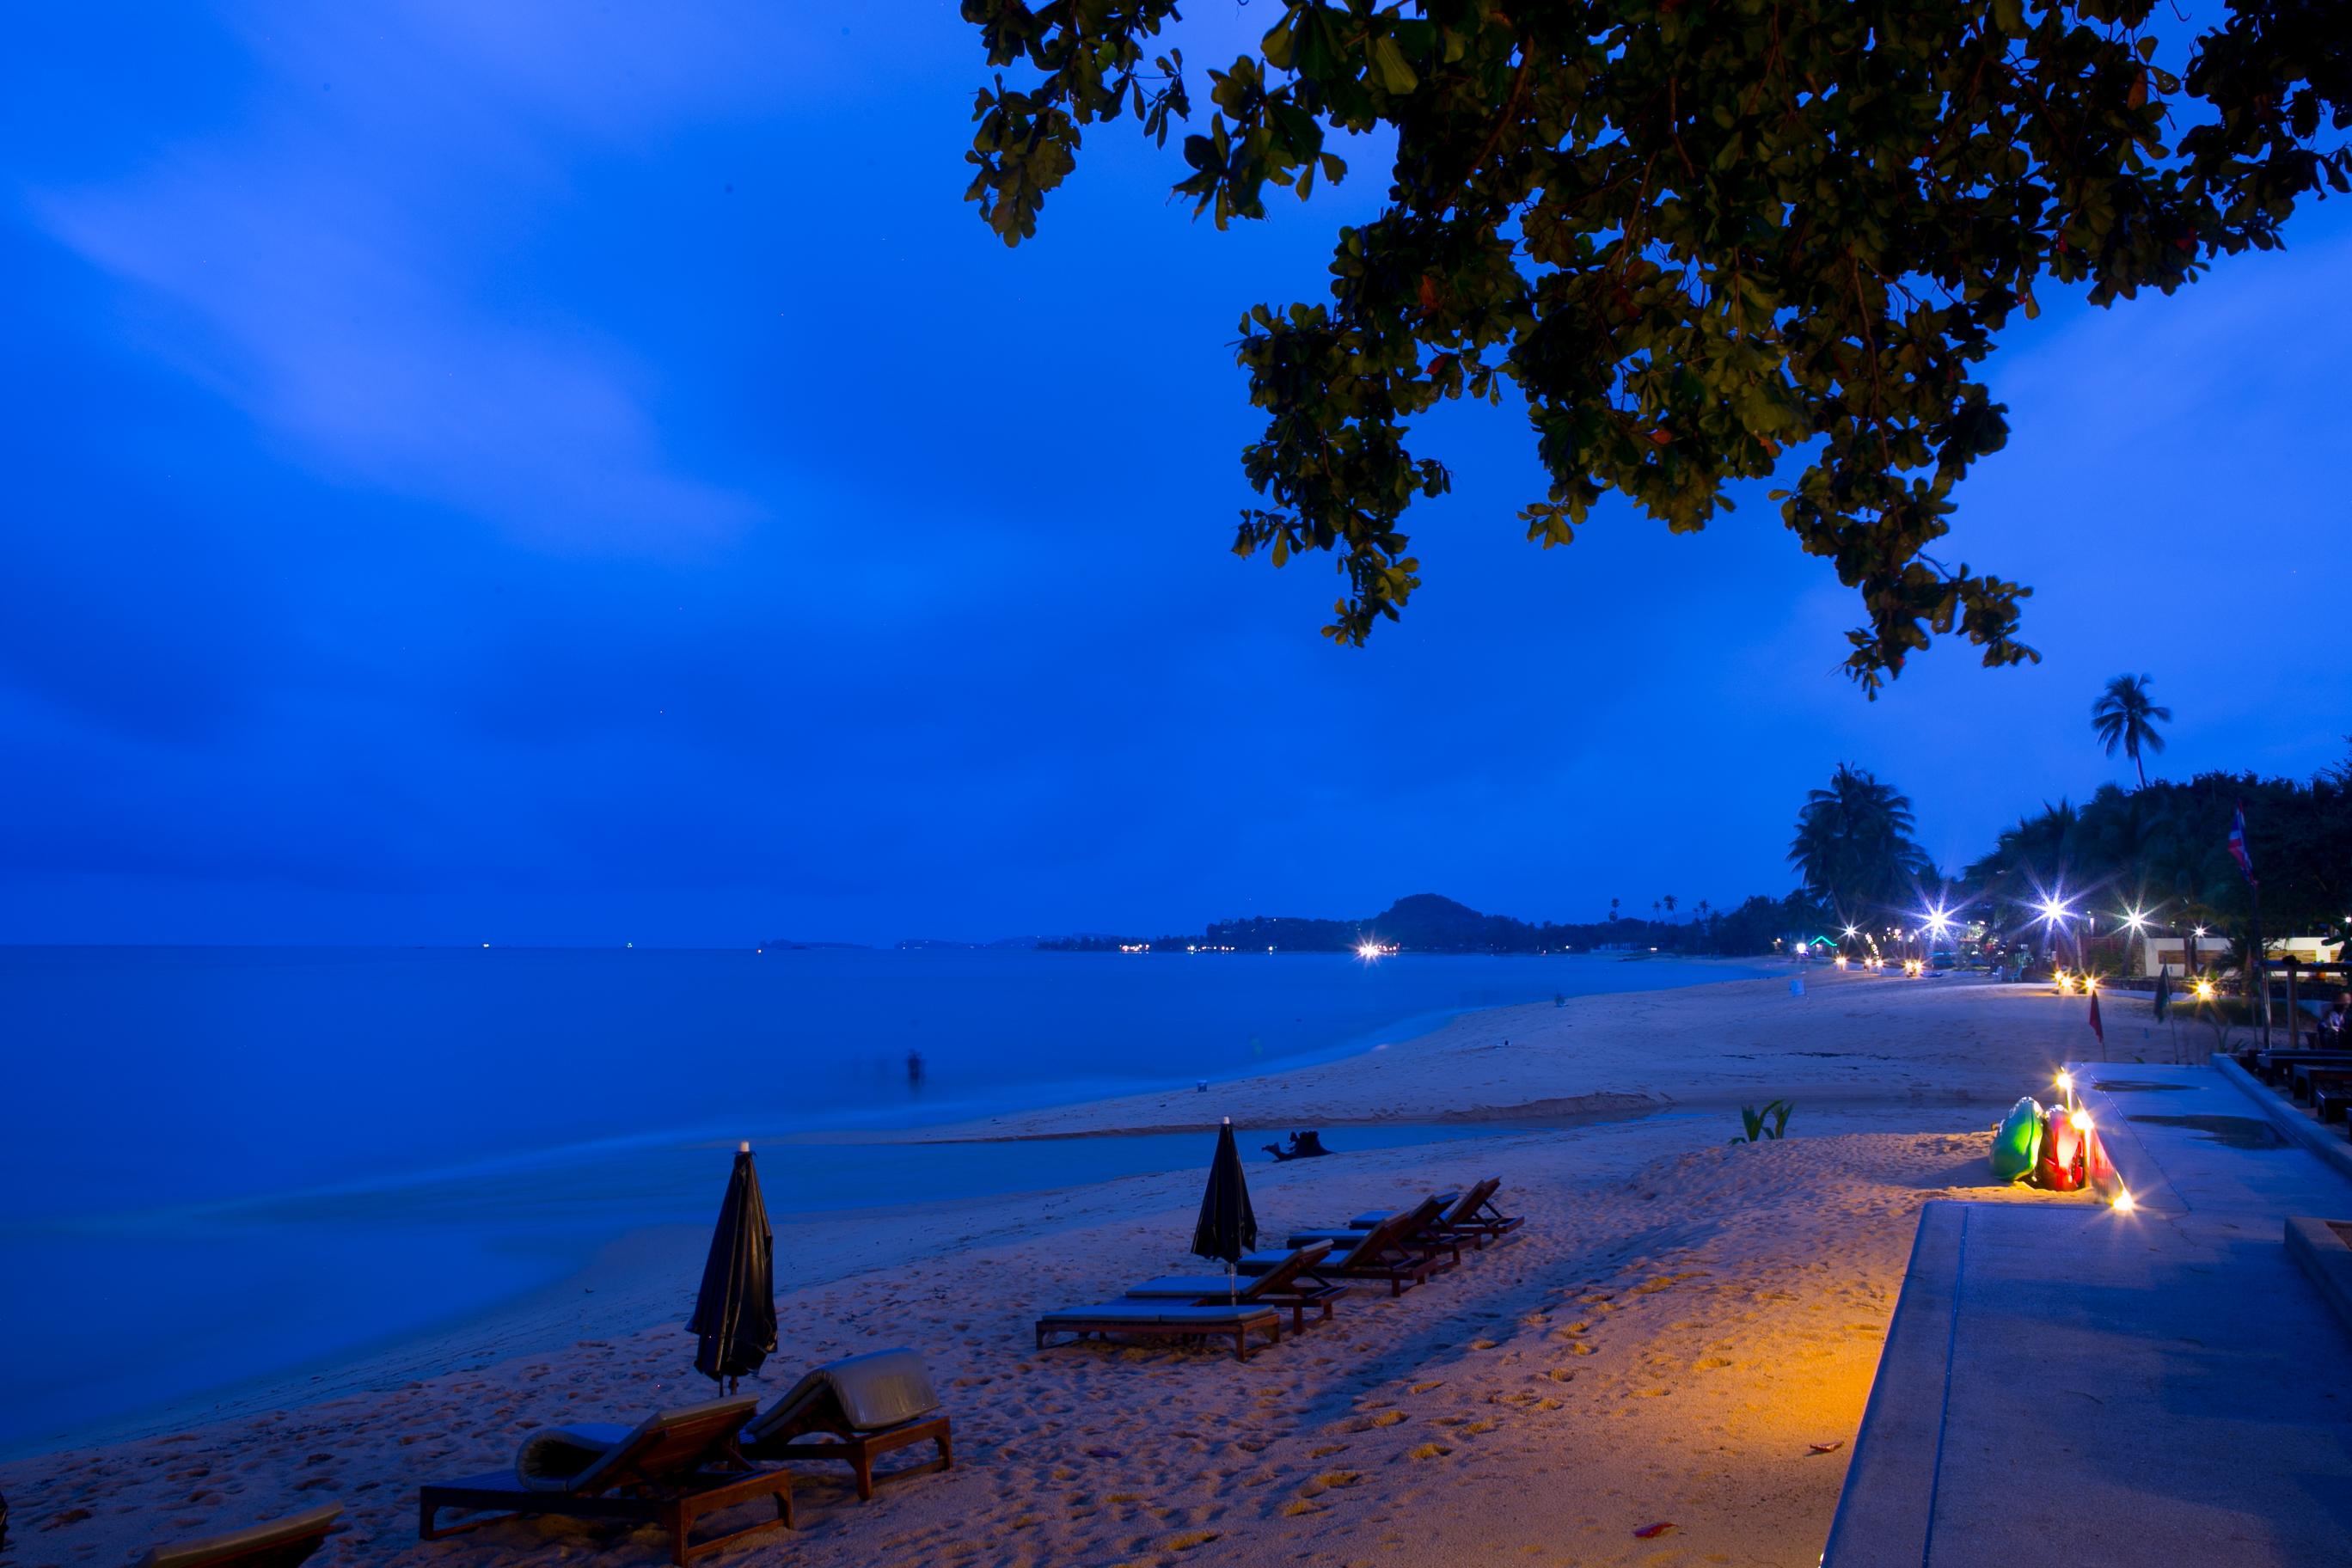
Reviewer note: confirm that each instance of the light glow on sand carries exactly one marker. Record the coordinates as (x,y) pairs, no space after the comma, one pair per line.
(2124,1203)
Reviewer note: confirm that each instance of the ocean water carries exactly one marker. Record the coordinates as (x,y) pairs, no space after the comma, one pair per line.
(219,1163)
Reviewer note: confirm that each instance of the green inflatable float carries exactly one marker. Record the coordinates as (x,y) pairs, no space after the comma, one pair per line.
(2018,1142)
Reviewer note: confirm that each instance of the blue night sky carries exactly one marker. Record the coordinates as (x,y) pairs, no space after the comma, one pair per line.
(540,473)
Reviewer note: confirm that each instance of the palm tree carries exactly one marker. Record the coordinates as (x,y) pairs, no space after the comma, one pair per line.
(2124,717)
(1670,904)
(1612,912)
(1853,844)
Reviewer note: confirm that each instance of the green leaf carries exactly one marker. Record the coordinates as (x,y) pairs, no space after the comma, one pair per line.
(1389,61)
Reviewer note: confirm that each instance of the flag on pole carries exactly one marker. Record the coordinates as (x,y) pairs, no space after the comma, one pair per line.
(2237,841)
(2096,1027)
(2163,993)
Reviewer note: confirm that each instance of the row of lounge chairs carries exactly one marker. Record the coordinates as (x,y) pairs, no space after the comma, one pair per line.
(680,1465)
(677,1468)
(672,1469)
(1312,1268)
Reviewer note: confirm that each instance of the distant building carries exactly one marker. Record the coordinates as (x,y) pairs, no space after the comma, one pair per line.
(2170,955)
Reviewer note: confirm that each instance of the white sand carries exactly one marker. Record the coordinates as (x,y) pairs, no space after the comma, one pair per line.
(1676,1329)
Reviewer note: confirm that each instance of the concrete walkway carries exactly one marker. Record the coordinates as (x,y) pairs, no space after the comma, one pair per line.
(2064,1382)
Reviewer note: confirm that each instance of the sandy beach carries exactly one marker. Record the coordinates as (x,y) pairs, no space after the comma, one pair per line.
(1666,1365)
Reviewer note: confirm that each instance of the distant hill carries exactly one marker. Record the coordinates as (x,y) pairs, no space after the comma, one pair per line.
(1431,923)
(790,944)
(918,943)
(1423,922)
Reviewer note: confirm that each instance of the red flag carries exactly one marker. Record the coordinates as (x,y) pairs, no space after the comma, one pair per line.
(2096,1027)
(2238,850)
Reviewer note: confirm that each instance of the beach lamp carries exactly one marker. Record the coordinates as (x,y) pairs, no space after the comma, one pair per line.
(2204,991)
(2123,1204)
(2066,1087)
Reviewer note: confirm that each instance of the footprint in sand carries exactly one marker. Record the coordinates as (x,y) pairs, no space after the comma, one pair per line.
(1428,1451)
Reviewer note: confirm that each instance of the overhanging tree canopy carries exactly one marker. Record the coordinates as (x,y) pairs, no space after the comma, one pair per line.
(1695,236)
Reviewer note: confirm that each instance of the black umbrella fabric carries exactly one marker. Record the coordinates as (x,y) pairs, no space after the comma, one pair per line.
(1228,1227)
(2163,994)
(735,1313)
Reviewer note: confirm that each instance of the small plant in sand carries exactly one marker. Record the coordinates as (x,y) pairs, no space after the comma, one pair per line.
(1772,1122)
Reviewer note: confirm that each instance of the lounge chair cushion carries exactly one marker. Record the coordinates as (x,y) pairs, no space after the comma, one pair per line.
(554,1459)
(879,1389)
(1266,1258)
(1370,1217)
(242,1544)
(1163,1315)
(1339,1239)
(579,1458)
(1194,1287)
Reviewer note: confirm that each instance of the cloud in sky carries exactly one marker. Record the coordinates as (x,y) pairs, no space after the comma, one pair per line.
(504,471)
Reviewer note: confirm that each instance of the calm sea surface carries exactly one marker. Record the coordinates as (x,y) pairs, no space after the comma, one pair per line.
(219,1163)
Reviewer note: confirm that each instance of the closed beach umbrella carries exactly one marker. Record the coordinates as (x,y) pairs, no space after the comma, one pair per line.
(735,1313)
(1228,1228)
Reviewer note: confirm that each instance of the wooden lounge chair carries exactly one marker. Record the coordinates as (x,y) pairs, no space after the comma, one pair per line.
(1424,1230)
(1167,1320)
(282,1543)
(1289,1284)
(669,1471)
(855,1410)
(1471,1215)
(1379,1256)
